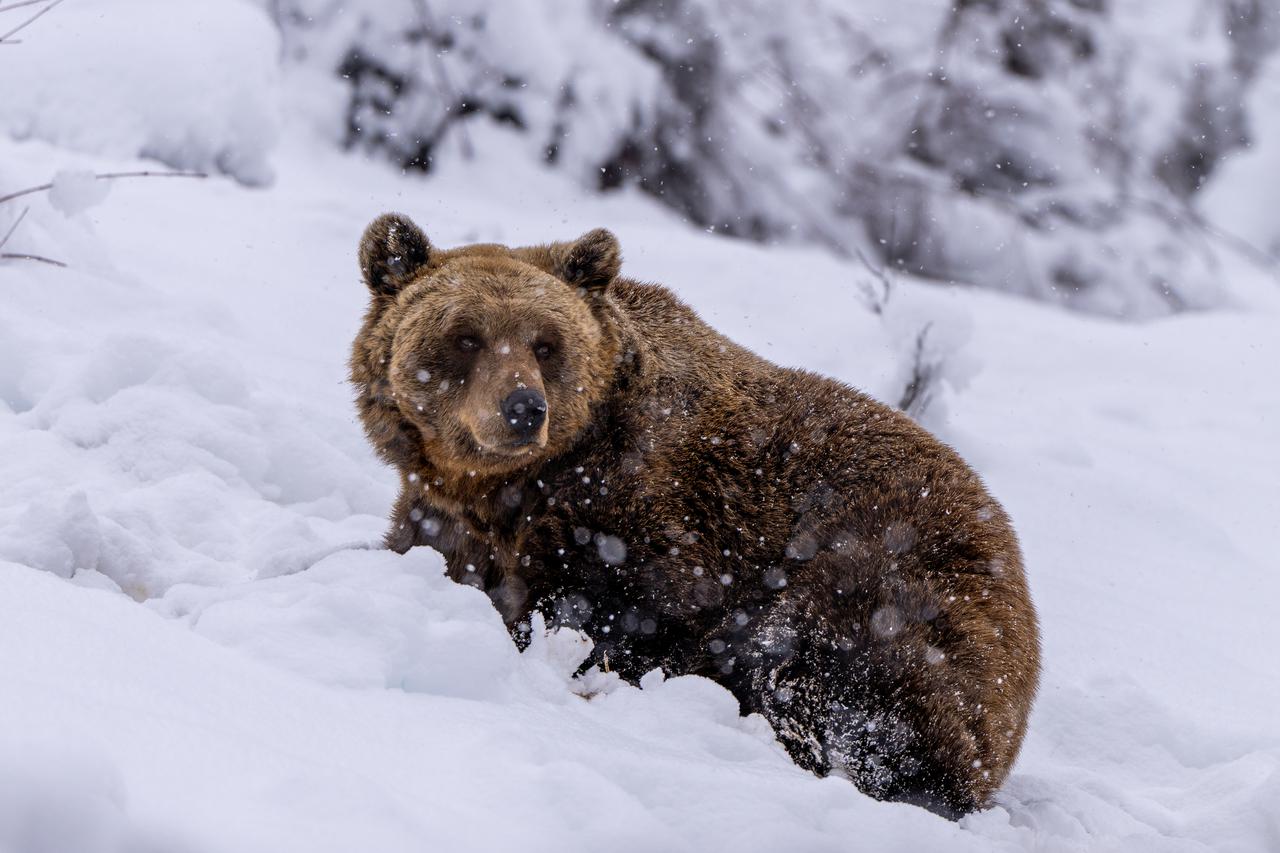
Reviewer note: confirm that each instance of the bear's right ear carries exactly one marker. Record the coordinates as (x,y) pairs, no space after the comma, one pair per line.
(392,251)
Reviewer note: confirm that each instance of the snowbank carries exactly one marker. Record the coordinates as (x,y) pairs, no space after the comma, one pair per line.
(192,84)
(176,429)
(203,647)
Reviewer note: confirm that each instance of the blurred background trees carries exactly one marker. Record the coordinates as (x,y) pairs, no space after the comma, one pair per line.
(1054,148)
(1098,154)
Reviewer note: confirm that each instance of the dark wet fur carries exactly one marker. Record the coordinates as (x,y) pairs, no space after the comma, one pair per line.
(837,568)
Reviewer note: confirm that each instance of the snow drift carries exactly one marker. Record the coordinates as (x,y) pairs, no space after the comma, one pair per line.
(191,84)
(204,650)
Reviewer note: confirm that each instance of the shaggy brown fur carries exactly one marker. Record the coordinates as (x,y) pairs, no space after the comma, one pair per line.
(694,507)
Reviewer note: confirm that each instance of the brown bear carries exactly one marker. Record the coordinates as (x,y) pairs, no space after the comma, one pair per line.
(583,445)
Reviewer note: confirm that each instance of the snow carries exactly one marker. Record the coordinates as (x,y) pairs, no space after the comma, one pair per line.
(205,650)
(1241,200)
(191,84)
(75,191)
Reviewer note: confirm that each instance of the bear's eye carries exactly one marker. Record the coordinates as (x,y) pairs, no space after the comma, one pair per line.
(543,350)
(468,343)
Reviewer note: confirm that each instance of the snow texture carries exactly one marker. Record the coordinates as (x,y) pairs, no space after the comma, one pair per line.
(204,649)
(192,84)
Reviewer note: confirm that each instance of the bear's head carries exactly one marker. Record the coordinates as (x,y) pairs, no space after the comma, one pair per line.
(482,360)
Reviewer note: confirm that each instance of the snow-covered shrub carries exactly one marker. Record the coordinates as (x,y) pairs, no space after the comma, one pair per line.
(1043,147)
(195,88)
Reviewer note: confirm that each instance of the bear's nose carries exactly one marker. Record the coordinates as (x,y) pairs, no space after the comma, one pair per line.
(525,410)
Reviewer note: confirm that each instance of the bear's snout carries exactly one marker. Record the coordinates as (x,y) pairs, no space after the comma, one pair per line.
(524,411)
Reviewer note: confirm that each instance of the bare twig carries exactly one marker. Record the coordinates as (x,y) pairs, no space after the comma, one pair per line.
(22,256)
(877,302)
(27,191)
(29,21)
(15,256)
(105,176)
(12,6)
(110,176)
(918,394)
(14,226)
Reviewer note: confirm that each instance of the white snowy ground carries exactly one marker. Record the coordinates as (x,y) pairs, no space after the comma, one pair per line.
(201,648)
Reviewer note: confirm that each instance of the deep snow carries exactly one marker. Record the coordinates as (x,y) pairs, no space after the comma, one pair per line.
(202,649)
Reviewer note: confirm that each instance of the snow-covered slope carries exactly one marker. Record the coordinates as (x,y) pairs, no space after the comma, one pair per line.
(203,650)
(175,426)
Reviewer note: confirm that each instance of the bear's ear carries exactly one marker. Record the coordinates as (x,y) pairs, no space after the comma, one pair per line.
(592,261)
(392,251)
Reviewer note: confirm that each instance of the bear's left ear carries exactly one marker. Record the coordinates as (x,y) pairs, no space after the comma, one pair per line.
(392,251)
(592,261)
